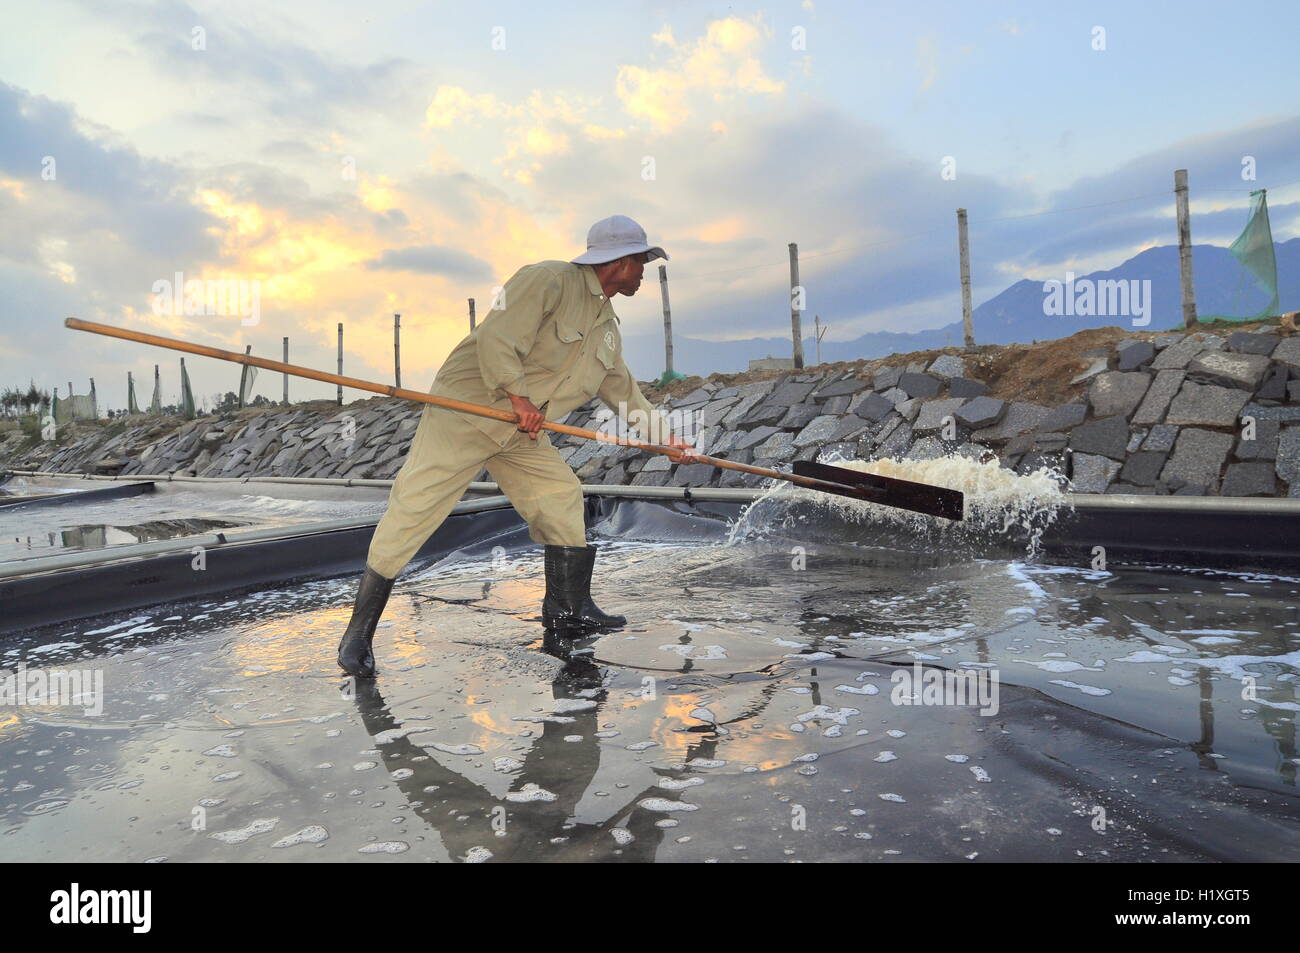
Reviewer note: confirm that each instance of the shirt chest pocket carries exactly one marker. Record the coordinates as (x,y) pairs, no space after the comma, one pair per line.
(557,346)
(601,359)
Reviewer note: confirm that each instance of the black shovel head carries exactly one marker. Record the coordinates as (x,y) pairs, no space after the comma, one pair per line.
(888,491)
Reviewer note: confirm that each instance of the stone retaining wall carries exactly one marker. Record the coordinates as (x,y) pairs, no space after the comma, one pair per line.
(1197,413)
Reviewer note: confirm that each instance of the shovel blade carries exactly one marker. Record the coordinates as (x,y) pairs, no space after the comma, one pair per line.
(889,491)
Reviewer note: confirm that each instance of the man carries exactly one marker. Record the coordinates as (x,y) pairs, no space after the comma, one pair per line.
(551,340)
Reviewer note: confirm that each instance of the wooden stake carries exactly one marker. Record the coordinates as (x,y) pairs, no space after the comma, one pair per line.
(963,253)
(1185,248)
(397,350)
(795,328)
(668,318)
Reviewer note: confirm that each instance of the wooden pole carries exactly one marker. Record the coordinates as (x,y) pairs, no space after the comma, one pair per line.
(795,328)
(868,492)
(668,318)
(1185,248)
(397,350)
(340,394)
(286,376)
(963,254)
(471,315)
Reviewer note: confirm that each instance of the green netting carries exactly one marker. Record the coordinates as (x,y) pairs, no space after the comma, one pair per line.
(131,406)
(74,407)
(187,395)
(246,378)
(1254,249)
(155,403)
(667,377)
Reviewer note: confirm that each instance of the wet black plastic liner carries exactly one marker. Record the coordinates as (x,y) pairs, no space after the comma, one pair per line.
(46,598)
(1213,537)
(81,496)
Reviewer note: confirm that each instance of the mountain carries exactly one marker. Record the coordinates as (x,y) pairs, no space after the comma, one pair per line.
(1015,315)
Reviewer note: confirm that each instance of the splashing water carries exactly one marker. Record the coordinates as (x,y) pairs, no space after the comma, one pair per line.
(999,504)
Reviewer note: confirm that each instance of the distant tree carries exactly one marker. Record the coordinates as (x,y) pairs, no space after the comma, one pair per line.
(229,401)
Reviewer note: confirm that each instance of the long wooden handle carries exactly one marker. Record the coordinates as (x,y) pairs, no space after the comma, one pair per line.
(451,403)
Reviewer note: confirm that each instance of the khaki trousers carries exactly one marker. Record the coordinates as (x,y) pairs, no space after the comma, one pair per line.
(445,455)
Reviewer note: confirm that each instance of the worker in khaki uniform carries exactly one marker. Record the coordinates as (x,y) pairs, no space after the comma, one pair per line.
(551,340)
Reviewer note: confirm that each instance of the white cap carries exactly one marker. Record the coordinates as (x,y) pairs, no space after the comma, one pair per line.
(615,237)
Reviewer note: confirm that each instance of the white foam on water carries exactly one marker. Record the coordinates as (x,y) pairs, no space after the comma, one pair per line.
(1061,667)
(119,625)
(677,784)
(530,793)
(393,734)
(699,653)
(457,749)
(825,712)
(997,500)
(1235,665)
(1143,655)
(1086,689)
(385,847)
(259,826)
(314,834)
(854,690)
(664,806)
(565,705)
(54,647)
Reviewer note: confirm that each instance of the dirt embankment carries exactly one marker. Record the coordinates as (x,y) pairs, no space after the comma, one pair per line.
(1040,372)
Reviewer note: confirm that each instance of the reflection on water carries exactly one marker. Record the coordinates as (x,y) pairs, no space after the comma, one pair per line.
(748,712)
(100,535)
(176,513)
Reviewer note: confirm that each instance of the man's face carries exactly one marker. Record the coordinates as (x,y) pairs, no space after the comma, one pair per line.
(631,270)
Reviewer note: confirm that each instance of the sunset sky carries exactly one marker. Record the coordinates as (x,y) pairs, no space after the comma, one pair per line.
(361,159)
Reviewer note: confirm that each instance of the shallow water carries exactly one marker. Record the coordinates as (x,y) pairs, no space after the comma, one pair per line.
(40,531)
(748,712)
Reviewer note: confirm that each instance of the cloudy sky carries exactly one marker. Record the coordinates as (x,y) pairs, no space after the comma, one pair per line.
(360,159)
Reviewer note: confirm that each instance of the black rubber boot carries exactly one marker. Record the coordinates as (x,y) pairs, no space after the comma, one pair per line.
(355,654)
(568,605)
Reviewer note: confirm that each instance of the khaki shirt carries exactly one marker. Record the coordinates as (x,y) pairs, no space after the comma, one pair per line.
(552,337)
